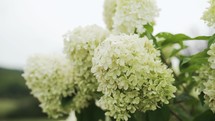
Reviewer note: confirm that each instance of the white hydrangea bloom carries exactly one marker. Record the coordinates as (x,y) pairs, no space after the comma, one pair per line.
(79,48)
(49,78)
(206,79)
(209,91)
(132,15)
(211,53)
(131,76)
(209,14)
(109,12)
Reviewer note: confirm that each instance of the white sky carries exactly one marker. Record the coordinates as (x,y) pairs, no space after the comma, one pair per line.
(37,26)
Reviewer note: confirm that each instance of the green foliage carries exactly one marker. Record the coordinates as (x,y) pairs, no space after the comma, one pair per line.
(211,40)
(207,115)
(15,99)
(92,112)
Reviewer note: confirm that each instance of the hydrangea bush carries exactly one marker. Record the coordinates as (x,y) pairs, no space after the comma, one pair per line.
(126,72)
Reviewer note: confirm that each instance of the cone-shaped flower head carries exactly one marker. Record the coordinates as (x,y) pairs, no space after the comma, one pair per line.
(79,47)
(132,15)
(49,78)
(209,14)
(131,76)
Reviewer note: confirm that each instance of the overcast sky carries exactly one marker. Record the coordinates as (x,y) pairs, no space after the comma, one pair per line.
(37,26)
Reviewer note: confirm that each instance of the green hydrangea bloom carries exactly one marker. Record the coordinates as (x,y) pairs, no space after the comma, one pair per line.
(109,12)
(49,78)
(131,76)
(79,47)
(211,53)
(132,15)
(209,14)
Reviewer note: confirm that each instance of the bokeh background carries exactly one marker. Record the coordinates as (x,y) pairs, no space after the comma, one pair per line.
(37,26)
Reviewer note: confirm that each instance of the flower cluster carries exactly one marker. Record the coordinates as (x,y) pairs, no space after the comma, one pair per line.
(79,47)
(211,53)
(206,79)
(209,14)
(210,83)
(132,15)
(109,12)
(131,76)
(50,79)
(209,91)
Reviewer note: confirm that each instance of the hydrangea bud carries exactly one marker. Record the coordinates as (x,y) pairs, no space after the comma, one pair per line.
(131,76)
(50,79)
(132,15)
(209,14)
(109,12)
(211,53)
(79,47)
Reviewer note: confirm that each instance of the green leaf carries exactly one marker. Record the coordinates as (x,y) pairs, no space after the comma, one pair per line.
(149,28)
(162,114)
(211,40)
(185,60)
(202,38)
(190,64)
(172,39)
(178,112)
(92,113)
(205,116)
(138,116)
(177,38)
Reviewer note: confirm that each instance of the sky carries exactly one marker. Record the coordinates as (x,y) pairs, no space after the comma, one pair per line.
(37,26)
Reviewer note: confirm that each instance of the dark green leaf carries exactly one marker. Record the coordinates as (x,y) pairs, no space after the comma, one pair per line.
(162,114)
(198,58)
(172,39)
(177,38)
(138,116)
(92,113)
(179,113)
(201,38)
(206,116)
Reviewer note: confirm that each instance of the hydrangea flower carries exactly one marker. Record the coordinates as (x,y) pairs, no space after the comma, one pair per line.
(132,15)
(211,53)
(131,76)
(209,91)
(209,14)
(206,78)
(49,78)
(109,12)
(79,47)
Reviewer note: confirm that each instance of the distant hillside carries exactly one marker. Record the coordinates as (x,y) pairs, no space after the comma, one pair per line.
(15,99)
(12,83)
